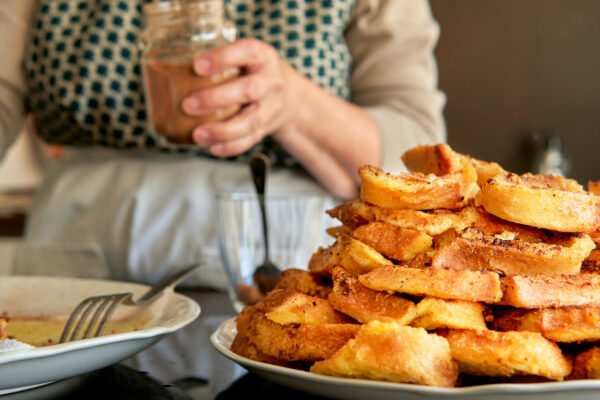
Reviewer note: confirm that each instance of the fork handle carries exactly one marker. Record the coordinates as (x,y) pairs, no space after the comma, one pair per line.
(167,282)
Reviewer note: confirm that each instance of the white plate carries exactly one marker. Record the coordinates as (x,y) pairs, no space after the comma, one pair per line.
(341,388)
(55,297)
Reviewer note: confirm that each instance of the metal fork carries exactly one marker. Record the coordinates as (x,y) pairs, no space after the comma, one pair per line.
(104,306)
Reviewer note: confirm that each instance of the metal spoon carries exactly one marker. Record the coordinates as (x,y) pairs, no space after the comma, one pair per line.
(267,274)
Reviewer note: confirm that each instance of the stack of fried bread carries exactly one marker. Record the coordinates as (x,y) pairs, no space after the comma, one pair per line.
(454,270)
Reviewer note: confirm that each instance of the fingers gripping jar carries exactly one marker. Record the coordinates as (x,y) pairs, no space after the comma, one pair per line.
(176,33)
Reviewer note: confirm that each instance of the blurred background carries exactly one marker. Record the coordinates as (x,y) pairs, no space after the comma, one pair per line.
(520,76)
(516,71)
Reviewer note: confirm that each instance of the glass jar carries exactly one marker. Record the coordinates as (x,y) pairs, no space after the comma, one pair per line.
(176,33)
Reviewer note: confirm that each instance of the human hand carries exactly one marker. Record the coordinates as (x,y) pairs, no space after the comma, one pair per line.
(264,89)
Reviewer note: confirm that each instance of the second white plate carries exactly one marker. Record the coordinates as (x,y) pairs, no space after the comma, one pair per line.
(49,296)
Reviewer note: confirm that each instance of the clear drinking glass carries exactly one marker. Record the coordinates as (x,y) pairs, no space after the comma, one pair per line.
(297,226)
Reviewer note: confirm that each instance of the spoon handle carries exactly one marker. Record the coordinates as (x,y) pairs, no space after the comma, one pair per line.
(258,166)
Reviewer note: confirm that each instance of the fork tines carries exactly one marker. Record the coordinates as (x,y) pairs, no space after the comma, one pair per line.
(104,307)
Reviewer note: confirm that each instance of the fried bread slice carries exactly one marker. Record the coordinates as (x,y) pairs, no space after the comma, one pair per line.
(432,222)
(441,160)
(550,181)
(3,330)
(492,353)
(593,260)
(437,159)
(417,191)
(564,324)
(443,283)
(486,170)
(244,347)
(514,199)
(586,365)
(538,291)
(355,256)
(364,304)
(299,308)
(474,250)
(434,313)
(388,351)
(292,342)
(393,242)
(302,281)
(594,187)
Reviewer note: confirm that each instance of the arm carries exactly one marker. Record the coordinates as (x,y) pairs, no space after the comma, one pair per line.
(394,78)
(329,136)
(15,17)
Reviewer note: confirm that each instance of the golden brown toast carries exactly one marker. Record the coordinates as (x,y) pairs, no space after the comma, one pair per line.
(298,280)
(474,250)
(593,260)
(443,283)
(244,347)
(564,324)
(3,330)
(393,242)
(486,170)
(438,159)
(433,222)
(388,351)
(594,187)
(586,365)
(492,353)
(434,313)
(549,181)
(355,256)
(441,160)
(538,291)
(298,308)
(364,304)
(292,342)
(511,198)
(417,191)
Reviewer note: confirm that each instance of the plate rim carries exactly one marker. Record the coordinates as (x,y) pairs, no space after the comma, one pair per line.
(187,310)
(191,313)
(494,388)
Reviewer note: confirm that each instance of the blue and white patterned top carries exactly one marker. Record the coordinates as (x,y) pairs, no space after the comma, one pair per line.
(84,76)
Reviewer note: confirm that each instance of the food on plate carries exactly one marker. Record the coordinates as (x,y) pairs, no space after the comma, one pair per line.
(434,313)
(350,297)
(3,331)
(291,342)
(473,249)
(456,273)
(515,199)
(417,191)
(354,255)
(388,351)
(298,308)
(492,353)
(586,365)
(393,242)
(594,187)
(298,280)
(564,324)
(537,291)
(443,283)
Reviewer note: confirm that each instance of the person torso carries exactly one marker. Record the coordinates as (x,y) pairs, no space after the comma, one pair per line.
(83,69)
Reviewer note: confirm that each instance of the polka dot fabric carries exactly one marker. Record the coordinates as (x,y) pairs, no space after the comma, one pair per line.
(82,65)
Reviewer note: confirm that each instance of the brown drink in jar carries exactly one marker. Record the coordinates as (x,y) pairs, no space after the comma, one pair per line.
(168,82)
